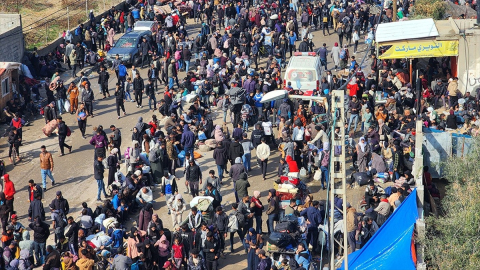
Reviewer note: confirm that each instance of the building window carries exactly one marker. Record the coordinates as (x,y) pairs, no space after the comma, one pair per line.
(5,87)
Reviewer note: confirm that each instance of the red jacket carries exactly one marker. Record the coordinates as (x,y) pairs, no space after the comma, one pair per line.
(292,164)
(178,251)
(8,188)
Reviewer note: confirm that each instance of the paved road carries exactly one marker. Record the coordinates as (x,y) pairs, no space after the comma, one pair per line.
(74,172)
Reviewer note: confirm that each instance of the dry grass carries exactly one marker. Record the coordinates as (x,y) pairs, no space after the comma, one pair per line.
(44,20)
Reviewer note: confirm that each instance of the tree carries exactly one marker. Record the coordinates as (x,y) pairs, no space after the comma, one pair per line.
(430,9)
(453,239)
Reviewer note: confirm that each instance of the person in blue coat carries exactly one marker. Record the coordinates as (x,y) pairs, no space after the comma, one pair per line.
(188,140)
(302,256)
(314,215)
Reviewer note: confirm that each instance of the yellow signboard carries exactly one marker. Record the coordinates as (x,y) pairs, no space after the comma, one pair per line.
(421,49)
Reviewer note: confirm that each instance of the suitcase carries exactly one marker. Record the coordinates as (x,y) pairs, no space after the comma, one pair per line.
(280,240)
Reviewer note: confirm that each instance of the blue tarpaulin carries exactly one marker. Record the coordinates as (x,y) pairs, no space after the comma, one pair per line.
(390,248)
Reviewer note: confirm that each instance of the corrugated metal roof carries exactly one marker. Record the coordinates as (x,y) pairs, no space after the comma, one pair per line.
(406,30)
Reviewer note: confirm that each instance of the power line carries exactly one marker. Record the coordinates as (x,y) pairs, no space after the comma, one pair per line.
(78,2)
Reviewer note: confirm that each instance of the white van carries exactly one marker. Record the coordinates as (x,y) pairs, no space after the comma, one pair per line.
(303,72)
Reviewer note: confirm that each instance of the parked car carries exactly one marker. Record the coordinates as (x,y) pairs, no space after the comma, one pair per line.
(127,47)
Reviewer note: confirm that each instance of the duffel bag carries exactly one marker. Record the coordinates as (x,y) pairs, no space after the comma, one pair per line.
(280,240)
(286,226)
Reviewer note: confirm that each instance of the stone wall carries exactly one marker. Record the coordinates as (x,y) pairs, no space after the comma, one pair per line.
(12,44)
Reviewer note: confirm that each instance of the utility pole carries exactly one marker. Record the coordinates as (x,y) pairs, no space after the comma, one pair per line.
(86,8)
(338,178)
(394,17)
(46,34)
(68,19)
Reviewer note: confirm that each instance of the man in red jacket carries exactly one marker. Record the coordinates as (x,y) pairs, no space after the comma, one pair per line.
(9,190)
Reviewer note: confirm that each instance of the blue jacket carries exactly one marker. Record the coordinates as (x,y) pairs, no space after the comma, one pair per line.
(115,202)
(314,216)
(292,39)
(117,239)
(122,70)
(188,138)
(258,98)
(301,260)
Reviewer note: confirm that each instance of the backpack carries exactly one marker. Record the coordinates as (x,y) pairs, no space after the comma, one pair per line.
(348,28)
(325,159)
(215,195)
(343,54)
(60,221)
(240,219)
(126,154)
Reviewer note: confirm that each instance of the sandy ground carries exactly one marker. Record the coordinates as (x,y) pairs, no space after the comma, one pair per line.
(74,172)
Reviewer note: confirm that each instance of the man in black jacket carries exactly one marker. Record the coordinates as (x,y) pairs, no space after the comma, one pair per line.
(138,87)
(220,219)
(150,92)
(72,235)
(303,47)
(120,100)
(62,135)
(220,154)
(236,150)
(61,97)
(41,231)
(211,251)
(440,90)
(257,135)
(193,177)
(88,98)
(103,78)
(98,173)
(354,107)
(49,112)
(144,49)
(60,203)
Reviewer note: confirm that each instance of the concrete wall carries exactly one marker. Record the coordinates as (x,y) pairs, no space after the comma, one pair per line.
(468,56)
(12,44)
(50,47)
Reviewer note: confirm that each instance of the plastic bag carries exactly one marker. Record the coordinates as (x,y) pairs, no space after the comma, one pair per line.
(318,175)
(67,106)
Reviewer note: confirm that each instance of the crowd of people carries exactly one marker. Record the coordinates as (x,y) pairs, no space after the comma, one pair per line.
(228,77)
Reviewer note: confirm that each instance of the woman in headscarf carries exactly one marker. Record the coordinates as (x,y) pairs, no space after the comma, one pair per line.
(153,232)
(163,249)
(68,36)
(136,237)
(136,136)
(134,154)
(145,216)
(113,165)
(335,54)
(252,243)
(156,163)
(219,137)
(177,206)
(110,35)
(257,207)
(452,120)
(363,152)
